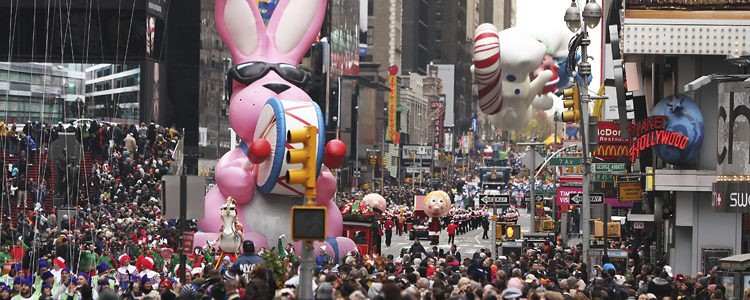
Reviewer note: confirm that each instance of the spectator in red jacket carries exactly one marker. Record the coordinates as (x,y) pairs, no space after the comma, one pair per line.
(452,232)
(18,251)
(388,224)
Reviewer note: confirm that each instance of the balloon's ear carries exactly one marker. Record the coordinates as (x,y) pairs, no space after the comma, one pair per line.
(241,27)
(294,27)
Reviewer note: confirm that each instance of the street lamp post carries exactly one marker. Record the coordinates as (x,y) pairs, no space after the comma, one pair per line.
(382,154)
(592,14)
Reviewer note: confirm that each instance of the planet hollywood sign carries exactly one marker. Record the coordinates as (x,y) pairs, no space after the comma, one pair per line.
(651,132)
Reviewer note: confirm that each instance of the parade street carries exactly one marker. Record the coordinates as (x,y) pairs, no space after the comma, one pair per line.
(467,243)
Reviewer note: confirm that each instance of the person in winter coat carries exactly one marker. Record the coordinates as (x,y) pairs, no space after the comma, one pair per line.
(661,286)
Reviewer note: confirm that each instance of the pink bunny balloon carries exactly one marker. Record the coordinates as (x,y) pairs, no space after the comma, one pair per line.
(267,59)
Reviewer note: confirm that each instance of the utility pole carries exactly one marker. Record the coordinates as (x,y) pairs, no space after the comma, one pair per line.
(592,14)
(532,182)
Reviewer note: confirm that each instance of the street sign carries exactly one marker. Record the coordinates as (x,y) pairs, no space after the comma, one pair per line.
(537,197)
(548,192)
(630,192)
(411,170)
(357,173)
(638,225)
(187,242)
(604,177)
(577,198)
(565,161)
(494,199)
(605,171)
(608,168)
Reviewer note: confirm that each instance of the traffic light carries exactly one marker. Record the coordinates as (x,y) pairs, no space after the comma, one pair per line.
(513,232)
(385,162)
(571,102)
(373,160)
(411,154)
(307,156)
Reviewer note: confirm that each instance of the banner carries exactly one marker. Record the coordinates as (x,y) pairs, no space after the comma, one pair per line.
(392,105)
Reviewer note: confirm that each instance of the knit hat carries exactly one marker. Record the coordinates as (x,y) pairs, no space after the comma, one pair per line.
(66,269)
(102,267)
(84,275)
(16,267)
(46,286)
(229,275)
(43,263)
(189,290)
(145,279)
(47,275)
(59,261)
(27,280)
(102,282)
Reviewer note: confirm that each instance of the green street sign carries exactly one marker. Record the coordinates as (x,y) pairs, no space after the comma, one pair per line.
(608,168)
(546,193)
(566,161)
(604,177)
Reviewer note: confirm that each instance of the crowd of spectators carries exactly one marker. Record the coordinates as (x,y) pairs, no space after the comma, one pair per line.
(112,242)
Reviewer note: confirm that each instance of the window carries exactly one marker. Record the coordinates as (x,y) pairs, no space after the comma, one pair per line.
(370,33)
(438,16)
(370,8)
(438,35)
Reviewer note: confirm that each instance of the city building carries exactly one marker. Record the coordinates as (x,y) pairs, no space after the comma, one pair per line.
(384,49)
(113,92)
(215,59)
(449,44)
(692,216)
(44,92)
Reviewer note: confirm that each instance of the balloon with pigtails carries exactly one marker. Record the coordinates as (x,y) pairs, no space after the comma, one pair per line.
(267,99)
(436,204)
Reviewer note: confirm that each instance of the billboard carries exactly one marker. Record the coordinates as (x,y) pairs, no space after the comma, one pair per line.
(155,104)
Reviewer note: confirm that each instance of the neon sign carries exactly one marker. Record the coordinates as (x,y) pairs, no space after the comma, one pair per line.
(651,132)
